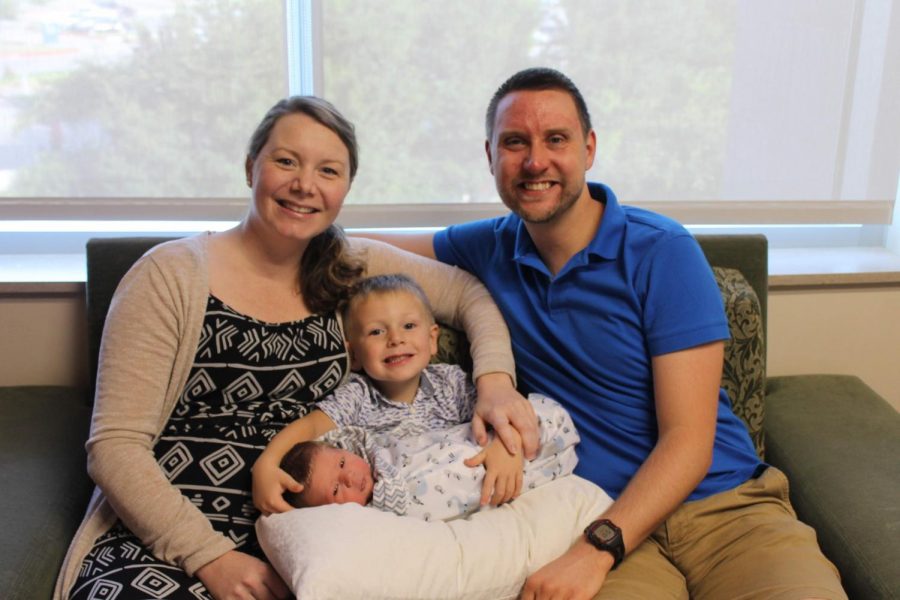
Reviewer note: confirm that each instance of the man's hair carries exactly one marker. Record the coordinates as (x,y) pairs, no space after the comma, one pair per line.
(537,79)
(382,284)
(298,464)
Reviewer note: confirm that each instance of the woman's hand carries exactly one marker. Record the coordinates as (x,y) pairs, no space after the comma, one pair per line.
(502,407)
(239,576)
(270,482)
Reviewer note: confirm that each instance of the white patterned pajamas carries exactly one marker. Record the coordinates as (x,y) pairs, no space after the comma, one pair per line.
(424,475)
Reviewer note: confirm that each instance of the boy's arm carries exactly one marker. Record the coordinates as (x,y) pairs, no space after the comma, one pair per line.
(269,480)
(503,471)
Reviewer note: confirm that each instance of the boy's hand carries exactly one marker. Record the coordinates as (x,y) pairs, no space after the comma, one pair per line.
(503,472)
(270,482)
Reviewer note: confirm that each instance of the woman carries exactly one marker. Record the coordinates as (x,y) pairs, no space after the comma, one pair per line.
(213,343)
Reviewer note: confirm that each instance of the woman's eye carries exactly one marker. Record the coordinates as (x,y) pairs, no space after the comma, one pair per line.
(330,171)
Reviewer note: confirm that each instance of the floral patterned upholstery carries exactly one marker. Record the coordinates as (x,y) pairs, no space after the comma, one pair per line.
(743,374)
(744,371)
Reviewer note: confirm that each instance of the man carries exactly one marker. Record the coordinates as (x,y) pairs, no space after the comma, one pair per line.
(614,312)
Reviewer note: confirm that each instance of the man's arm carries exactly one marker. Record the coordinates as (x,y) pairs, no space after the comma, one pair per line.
(417,243)
(686,387)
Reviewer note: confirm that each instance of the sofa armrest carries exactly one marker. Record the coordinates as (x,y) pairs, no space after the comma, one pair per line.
(44,483)
(839,444)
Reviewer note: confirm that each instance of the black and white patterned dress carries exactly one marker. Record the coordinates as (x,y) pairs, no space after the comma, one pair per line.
(249,379)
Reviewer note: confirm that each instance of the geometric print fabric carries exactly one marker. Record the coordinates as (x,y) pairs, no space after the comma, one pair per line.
(249,379)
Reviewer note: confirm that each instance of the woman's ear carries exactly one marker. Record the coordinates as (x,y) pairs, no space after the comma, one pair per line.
(248,171)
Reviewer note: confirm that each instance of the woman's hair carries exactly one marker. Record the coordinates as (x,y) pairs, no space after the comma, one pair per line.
(318,109)
(298,464)
(328,269)
(380,284)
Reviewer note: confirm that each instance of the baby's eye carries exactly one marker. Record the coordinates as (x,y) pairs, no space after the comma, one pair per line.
(410,325)
(376,331)
(334,492)
(342,463)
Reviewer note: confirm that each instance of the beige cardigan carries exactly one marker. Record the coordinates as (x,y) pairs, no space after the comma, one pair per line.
(149,341)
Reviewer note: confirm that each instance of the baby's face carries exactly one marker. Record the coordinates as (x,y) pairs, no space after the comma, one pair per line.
(338,477)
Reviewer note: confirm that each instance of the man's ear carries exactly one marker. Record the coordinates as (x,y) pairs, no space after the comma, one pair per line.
(487,150)
(248,171)
(591,147)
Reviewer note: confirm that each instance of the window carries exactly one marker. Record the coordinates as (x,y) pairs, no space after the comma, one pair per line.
(716,112)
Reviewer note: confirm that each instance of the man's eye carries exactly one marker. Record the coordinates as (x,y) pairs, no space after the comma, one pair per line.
(511,142)
(557,139)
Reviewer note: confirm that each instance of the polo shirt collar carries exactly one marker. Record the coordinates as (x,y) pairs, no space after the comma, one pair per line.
(604,245)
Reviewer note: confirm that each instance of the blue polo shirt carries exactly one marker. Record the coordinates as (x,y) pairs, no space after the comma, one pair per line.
(585,337)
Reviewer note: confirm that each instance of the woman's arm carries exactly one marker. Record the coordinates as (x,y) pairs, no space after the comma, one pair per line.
(151,332)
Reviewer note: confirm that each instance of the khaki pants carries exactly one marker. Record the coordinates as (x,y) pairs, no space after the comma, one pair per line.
(745,543)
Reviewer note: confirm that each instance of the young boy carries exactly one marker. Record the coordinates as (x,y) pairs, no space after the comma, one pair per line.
(421,475)
(391,335)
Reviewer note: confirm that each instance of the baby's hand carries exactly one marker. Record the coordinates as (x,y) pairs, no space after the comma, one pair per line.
(269,484)
(503,472)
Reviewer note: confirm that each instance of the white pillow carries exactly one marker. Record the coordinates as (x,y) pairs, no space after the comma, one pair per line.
(348,551)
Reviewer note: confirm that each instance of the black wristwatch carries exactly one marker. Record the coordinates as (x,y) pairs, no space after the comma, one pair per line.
(604,535)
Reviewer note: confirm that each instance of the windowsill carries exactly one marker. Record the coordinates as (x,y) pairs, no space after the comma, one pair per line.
(789,268)
(832,267)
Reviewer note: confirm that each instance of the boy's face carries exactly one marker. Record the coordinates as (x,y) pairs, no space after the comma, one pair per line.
(338,477)
(392,337)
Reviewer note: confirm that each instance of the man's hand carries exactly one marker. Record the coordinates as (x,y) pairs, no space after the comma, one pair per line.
(503,472)
(576,575)
(507,411)
(270,482)
(236,575)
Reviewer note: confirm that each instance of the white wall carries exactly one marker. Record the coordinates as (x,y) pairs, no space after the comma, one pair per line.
(846,331)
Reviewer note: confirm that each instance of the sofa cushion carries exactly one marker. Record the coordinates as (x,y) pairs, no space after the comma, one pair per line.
(45,486)
(744,370)
(839,444)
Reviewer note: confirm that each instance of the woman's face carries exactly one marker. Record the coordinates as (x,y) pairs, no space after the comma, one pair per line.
(299,179)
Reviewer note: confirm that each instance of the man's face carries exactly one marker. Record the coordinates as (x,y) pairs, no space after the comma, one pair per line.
(337,477)
(539,154)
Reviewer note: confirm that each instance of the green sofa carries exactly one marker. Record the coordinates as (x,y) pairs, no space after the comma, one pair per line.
(835,438)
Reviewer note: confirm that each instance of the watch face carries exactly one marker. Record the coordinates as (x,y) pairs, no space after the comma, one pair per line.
(605,532)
